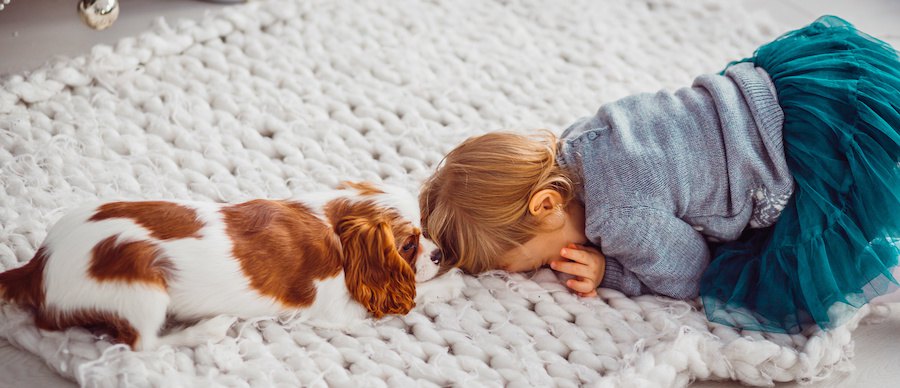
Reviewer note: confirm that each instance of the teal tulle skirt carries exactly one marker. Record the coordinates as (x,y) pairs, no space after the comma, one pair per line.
(833,248)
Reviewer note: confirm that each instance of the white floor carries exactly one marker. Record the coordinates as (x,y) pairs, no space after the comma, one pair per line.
(34,31)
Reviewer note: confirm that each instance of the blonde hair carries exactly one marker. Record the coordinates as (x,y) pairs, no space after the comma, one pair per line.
(475,206)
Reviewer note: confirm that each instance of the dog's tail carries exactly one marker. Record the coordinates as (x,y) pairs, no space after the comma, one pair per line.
(25,285)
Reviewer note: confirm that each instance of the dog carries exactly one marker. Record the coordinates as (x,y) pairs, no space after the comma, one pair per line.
(331,258)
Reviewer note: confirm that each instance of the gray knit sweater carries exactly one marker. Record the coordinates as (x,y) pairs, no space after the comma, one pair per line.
(661,174)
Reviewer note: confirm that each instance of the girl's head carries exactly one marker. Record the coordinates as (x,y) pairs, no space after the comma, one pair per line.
(491,195)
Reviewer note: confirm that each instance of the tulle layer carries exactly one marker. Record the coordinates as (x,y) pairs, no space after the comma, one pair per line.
(836,242)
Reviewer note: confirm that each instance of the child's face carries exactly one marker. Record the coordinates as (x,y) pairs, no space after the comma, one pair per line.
(534,254)
(546,246)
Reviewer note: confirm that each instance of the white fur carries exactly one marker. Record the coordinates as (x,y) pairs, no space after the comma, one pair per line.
(440,289)
(207,280)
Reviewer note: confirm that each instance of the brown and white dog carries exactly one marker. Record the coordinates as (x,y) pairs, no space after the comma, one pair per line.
(331,258)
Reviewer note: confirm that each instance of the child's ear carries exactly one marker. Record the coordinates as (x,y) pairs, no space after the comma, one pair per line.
(544,202)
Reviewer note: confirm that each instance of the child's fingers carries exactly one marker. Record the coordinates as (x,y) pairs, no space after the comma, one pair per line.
(587,248)
(582,286)
(587,294)
(581,256)
(571,268)
(575,255)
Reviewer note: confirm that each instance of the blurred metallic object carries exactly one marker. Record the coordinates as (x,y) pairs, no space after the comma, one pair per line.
(98,14)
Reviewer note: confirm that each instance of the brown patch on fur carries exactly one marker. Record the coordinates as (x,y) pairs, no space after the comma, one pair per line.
(364,188)
(376,274)
(25,285)
(164,220)
(98,322)
(282,247)
(129,261)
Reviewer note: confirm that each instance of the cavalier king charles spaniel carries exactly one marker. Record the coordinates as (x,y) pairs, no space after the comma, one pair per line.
(330,258)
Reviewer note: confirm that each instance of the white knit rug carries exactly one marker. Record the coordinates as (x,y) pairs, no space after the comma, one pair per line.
(284,96)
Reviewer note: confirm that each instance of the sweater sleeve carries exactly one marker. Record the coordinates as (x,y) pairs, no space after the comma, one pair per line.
(648,250)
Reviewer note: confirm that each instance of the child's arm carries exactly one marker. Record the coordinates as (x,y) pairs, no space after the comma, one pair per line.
(650,250)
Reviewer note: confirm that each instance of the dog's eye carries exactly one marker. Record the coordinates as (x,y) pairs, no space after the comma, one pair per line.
(410,245)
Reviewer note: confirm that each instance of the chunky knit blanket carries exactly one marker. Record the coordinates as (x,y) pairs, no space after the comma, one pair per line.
(279,97)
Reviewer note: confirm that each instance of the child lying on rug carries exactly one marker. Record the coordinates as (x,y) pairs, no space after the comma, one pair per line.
(804,133)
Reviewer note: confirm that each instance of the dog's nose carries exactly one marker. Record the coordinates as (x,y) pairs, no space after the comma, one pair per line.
(436,256)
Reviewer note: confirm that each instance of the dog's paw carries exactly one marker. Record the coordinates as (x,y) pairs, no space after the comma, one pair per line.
(440,289)
(209,330)
(215,328)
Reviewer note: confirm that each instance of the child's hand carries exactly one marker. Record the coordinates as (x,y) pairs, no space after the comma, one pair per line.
(587,264)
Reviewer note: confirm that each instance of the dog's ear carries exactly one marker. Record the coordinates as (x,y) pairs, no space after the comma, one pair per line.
(375,273)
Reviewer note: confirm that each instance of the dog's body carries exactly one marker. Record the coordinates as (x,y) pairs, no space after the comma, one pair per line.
(330,257)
